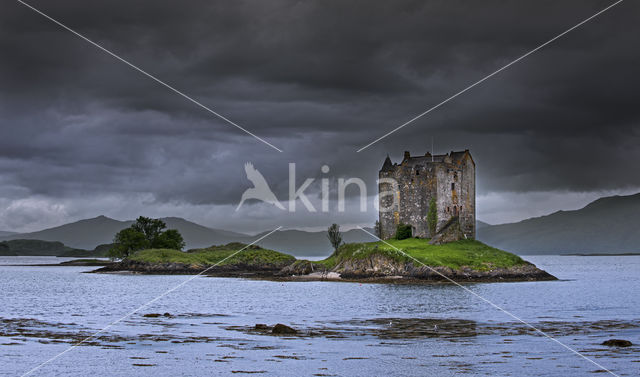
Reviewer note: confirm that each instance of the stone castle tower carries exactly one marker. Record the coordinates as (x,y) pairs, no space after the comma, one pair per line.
(449,178)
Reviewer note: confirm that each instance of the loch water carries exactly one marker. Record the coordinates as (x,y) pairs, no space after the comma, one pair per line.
(345,329)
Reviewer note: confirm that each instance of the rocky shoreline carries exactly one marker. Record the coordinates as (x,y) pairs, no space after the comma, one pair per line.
(374,269)
(234,270)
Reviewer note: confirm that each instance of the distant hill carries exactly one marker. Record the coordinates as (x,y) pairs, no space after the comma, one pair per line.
(309,244)
(607,225)
(196,235)
(99,251)
(5,234)
(36,247)
(87,234)
(83,234)
(481,225)
(5,250)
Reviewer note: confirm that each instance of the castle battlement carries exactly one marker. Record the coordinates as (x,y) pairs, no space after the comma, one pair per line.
(449,178)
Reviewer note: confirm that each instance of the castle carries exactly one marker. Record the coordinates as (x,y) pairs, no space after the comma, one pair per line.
(449,178)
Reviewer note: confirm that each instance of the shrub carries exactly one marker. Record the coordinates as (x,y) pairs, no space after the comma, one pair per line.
(403,231)
(432,217)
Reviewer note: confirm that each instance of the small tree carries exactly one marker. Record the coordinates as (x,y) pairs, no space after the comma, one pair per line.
(403,231)
(432,217)
(335,236)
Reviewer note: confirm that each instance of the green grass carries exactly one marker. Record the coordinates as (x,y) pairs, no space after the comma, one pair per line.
(252,255)
(469,253)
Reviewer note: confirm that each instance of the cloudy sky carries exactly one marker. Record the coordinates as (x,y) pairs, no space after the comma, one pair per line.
(83,134)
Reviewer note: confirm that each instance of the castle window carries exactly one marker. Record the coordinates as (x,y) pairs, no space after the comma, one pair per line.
(453,186)
(417,172)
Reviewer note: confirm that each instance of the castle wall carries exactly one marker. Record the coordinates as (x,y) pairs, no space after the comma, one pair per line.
(389,219)
(468,197)
(447,198)
(418,186)
(452,183)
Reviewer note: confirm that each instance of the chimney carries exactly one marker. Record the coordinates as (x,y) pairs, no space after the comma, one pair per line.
(406,155)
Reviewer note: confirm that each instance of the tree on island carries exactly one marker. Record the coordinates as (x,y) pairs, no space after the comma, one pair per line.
(145,233)
(335,236)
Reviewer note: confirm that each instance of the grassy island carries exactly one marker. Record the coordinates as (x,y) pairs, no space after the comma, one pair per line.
(466,260)
(469,253)
(252,255)
(146,247)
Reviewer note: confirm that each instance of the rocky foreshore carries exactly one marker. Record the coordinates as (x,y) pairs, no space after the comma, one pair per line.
(378,266)
(228,270)
(375,268)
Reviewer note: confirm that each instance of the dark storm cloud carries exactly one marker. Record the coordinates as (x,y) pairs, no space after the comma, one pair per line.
(320,80)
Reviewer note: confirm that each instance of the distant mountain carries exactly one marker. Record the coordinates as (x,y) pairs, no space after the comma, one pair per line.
(309,244)
(5,234)
(481,225)
(87,234)
(196,235)
(607,225)
(83,234)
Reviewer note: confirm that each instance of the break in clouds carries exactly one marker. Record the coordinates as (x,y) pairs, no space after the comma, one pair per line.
(83,134)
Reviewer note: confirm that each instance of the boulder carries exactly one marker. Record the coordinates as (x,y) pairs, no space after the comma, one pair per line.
(299,267)
(617,343)
(283,329)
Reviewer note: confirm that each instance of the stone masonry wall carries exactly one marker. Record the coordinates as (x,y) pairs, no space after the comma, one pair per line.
(451,182)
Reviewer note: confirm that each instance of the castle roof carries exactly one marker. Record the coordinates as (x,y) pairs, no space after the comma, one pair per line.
(452,157)
(455,158)
(387,166)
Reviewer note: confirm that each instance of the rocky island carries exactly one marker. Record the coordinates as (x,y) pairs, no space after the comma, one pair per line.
(426,233)
(410,260)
